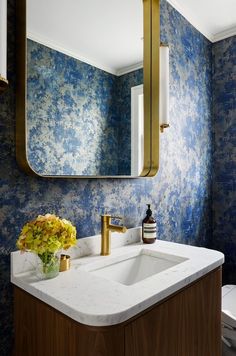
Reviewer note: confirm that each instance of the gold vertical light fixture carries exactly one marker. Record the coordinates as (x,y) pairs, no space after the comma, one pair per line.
(164,86)
(3,45)
(155,66)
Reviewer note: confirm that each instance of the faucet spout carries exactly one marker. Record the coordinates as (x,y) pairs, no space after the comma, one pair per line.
(117,228)
(106,229)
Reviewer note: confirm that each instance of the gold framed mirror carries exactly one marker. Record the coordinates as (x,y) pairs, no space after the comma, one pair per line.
(81,115)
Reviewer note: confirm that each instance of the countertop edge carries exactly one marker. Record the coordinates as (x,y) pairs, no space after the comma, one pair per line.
(123,315)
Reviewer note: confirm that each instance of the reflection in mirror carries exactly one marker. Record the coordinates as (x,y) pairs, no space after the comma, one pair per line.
(84,63)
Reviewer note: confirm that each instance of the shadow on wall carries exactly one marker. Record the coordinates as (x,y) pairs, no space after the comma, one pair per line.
(224,154)
(6,304)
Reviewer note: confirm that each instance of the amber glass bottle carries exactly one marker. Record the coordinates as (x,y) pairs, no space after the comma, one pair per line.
(149,230)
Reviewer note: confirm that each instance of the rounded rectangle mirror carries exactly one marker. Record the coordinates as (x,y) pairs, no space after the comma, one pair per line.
(87,88)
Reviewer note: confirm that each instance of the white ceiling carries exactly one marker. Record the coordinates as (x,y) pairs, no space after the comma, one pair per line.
(104,33)
(108,33)
(215,19)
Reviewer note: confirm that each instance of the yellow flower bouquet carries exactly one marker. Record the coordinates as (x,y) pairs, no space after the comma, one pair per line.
(45,236)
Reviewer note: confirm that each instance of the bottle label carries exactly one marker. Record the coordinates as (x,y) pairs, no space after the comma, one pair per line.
(150,231)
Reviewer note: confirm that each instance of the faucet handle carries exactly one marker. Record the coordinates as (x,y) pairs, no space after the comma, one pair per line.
(117,217)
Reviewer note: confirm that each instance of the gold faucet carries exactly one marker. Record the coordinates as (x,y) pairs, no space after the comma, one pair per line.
(106,228)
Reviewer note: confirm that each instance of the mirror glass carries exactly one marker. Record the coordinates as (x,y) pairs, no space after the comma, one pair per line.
(85,87)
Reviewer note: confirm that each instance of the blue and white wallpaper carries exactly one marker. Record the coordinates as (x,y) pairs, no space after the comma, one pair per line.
(224,154)
(78,116)
(180,195)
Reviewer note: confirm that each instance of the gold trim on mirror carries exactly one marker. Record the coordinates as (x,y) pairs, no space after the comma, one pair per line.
(155,59)
(21,88)
(151,20)
(147,16)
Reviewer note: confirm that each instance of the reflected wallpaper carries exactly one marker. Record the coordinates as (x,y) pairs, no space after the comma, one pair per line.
(78,115)
(180,194)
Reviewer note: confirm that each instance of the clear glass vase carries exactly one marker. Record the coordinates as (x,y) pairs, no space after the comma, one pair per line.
(48,266)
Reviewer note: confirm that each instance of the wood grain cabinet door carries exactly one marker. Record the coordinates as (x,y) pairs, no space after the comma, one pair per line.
(187,324)
(41,330)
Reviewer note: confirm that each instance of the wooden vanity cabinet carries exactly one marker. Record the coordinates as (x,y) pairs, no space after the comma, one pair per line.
(188,323)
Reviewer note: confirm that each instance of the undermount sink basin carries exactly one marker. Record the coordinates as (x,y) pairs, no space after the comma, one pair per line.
(135,267)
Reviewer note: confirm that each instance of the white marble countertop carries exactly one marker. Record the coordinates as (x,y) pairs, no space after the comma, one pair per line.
(93,300)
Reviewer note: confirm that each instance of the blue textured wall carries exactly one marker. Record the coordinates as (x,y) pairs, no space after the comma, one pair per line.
(224,155)
(180,194)
(73,106)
